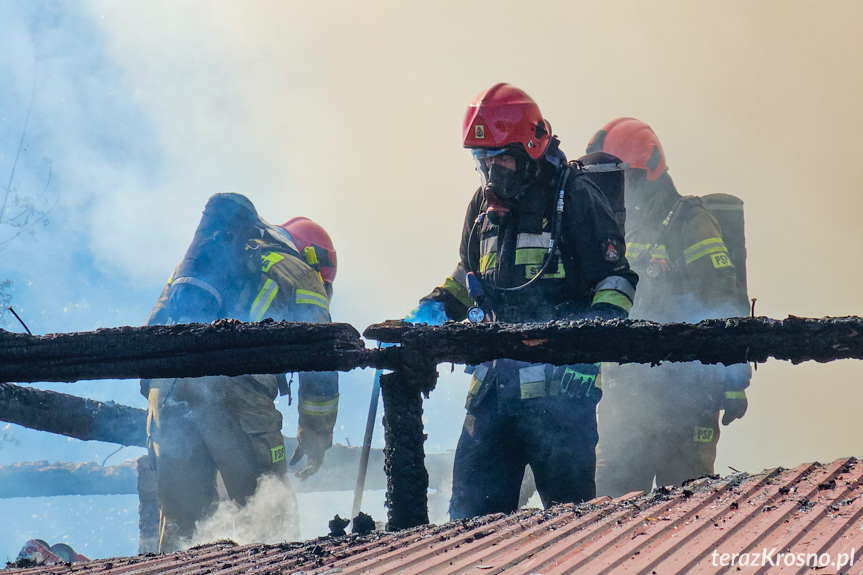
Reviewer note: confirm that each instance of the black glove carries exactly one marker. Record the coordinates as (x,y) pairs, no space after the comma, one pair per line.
(734,405)
(313,463)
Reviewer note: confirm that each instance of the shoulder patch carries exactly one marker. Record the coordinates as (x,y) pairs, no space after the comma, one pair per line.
(612,250)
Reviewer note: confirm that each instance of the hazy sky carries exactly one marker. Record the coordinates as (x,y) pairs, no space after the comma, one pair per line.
(350,113)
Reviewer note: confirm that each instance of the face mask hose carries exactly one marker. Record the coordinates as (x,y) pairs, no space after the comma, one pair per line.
(552,244)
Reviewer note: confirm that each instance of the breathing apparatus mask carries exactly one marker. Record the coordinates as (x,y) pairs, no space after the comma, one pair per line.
(217,267)
(504,174)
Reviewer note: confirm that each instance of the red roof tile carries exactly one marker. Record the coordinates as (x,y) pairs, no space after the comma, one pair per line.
(813,509)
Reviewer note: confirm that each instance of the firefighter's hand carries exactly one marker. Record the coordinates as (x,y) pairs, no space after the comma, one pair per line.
(734,405)
(313,462)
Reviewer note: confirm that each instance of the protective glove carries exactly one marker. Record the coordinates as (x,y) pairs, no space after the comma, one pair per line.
(734,405)
(313,463)
(428,311)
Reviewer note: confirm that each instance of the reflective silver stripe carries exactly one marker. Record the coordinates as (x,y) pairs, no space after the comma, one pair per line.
(488,245)
(480,372)
(596,168)
(617,283)
(533,240)
(201,284)
(531,374)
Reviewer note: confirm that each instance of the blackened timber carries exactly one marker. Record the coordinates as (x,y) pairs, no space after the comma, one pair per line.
(338,473)
(72,416)
(43,479)
(224,347)
(404,454)
(727,341)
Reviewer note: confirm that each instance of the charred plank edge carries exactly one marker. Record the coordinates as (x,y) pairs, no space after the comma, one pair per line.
(726,341)
(225,347)
(229,347)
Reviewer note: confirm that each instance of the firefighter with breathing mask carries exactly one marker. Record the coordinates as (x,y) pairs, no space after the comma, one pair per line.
(238,266)
(540,242)
(662,422)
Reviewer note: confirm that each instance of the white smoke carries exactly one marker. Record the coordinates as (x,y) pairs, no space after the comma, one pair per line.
(271,515)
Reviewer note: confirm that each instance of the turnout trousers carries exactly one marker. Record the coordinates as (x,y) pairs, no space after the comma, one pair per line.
(555,435)
(197,427)
(657,423)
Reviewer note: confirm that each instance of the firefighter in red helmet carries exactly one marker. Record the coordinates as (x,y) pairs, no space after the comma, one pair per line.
(239,266)
(540,242)
(662,423)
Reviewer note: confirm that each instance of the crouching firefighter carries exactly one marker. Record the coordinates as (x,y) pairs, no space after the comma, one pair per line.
(540,242)
(238,266)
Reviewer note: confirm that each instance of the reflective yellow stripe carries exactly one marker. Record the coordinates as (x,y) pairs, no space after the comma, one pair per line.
(529,256)
(633,250)
(328,407)
(612,297)
(457,290)
(488,262)
(660,253)
(264,299)
(312,298)
(270,259)
(735,395)
(703,248)
(533,389)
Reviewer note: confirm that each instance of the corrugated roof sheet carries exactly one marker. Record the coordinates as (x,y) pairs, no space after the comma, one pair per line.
(813,510)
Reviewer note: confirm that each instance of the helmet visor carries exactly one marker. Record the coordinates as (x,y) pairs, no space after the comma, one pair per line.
(482,157)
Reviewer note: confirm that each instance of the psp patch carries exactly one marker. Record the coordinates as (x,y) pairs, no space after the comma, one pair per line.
(613,250)
(278,453)
(703,434)
(721,261)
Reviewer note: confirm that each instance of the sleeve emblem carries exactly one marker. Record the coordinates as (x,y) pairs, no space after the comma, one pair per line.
(612,251)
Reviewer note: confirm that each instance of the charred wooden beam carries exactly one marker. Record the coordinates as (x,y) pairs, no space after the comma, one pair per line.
(224,347)
(43,479)
(228,347)
(72,416)
(407,477)
(338,473)
(727,341)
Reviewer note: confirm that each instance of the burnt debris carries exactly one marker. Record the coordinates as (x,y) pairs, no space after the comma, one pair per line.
(73,416)
(230,347)
(224,347)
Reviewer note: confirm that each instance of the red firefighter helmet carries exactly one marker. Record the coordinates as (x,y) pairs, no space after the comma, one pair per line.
(307,233)
(505,116)
(632,141)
